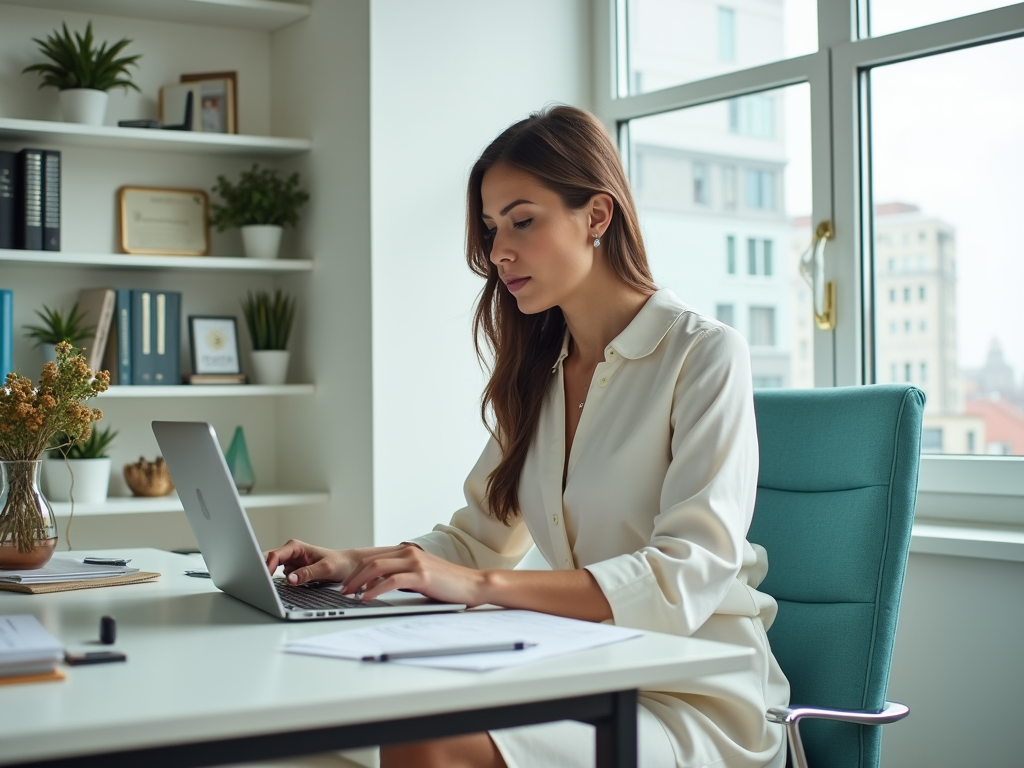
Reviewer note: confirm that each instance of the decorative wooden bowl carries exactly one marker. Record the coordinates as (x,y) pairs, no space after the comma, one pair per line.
(147,478)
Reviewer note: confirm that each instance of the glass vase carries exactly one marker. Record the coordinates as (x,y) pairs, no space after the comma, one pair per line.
(28,530)
(238,462)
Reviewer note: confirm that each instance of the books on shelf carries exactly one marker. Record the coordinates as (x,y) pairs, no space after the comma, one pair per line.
(30,199)
(215,378)
(143,344)
(97,309)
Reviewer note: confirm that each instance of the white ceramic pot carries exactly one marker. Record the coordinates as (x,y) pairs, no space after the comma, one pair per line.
(270,366)
(83,105)
(261,241)
(92,479)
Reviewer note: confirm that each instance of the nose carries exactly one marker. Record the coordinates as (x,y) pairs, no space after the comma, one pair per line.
(501,253)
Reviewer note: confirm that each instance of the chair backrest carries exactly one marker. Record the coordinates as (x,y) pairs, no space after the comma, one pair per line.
(835,506)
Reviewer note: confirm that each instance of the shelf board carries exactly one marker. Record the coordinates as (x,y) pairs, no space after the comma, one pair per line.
(134,505)
(129,261)
(112,137)
(208,390)
(265,15)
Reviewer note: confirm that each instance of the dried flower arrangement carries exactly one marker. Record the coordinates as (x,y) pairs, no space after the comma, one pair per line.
(29,418)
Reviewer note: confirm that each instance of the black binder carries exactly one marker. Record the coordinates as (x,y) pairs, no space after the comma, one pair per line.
(51,200)
(8,193)
(28,227)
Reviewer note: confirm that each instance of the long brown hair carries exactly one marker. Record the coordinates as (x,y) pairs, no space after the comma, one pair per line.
(569,152)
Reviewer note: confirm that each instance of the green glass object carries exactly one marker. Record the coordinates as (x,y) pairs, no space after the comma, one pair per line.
(239,464)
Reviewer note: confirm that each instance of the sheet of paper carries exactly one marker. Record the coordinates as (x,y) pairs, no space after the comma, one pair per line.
(64,569)
(549,636)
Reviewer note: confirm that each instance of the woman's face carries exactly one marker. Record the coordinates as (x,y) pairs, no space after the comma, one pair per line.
(544,251)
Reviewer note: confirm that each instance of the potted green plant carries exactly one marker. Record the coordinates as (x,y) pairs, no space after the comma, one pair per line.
(262,204)
(83,72)
(269,319)
(85,463)
(57,327)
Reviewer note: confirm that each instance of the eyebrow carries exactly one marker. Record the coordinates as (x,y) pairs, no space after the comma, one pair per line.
(509,207)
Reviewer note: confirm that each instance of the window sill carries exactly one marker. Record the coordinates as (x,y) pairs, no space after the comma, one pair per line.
(989,542)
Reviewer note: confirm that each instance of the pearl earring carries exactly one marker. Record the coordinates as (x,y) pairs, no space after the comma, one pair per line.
(597,241)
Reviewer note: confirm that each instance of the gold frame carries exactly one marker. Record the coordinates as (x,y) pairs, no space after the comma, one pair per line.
(124,224)
(232,92)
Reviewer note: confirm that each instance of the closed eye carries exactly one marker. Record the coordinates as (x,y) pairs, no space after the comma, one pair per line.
(522,224)
(489,233)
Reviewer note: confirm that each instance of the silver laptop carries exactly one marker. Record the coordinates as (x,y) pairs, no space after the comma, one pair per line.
(225,538)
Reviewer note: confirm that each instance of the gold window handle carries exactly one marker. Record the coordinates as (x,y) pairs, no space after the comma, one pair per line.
(812,267)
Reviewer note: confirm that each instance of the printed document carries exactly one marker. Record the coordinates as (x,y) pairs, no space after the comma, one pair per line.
(545,636)
(64,569)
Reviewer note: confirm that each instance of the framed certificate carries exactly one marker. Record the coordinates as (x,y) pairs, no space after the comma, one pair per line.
(171,222)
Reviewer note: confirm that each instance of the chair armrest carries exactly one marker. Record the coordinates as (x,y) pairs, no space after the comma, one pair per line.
(791,717)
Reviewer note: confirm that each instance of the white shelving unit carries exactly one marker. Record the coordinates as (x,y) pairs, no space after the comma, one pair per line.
(149,140)
(128,261)
(290,439)
(207,390)
(140,505)
(262,15)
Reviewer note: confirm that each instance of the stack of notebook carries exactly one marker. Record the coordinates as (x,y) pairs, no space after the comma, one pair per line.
(62,574)
(27,651)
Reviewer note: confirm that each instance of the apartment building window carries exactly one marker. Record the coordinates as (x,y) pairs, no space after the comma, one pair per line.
(923,326)
(906,327)
(924,373)
(892,327)
(724,314)
(766,257)
(762,326)
(760,189)
(920,293)
(751,256)
(700,184)
(906,294)
(892,295)
(726,34)
(730,254)
(907,374)
(931,440)
(729,186)
(971,447)
(753,116)
(892,373)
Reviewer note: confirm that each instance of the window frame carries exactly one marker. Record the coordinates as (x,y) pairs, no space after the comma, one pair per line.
(837,75)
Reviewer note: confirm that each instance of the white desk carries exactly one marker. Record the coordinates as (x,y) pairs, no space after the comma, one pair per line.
(206,683)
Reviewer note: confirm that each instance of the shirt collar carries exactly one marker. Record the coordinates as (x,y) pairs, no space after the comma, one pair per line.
(645,332)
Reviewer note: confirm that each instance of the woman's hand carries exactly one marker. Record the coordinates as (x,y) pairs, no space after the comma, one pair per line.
(303,562)
(409,567)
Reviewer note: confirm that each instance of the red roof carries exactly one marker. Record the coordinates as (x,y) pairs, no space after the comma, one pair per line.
(1003,422)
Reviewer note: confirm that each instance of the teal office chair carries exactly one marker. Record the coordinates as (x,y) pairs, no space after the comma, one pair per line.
(835,506)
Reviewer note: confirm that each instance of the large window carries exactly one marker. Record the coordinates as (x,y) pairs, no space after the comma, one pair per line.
(946,163)
(893,127)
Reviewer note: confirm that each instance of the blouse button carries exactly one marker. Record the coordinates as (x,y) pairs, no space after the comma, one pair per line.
(604,382)
(554,519)
(611,353)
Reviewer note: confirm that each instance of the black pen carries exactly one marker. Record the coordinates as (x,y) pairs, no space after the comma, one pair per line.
(518,646)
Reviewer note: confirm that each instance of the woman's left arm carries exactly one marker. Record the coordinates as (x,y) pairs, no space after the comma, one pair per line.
(575,594)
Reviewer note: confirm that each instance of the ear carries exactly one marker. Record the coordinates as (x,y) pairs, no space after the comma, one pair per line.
(599,213)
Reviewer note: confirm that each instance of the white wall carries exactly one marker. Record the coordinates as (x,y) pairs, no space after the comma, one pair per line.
(957,665)
(447,77)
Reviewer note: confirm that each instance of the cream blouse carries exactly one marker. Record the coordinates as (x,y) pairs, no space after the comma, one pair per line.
(659,495)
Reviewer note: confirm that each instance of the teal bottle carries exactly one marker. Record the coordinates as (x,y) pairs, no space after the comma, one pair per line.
(238,462)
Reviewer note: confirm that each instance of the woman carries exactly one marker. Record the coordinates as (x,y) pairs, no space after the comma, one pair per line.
(623,446)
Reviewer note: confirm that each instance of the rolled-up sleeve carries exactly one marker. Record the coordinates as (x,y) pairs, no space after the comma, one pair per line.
(697,547)
(474,538)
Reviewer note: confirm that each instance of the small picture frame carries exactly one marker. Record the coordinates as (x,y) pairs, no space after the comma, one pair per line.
(214,345)
(216,101)
(164,222)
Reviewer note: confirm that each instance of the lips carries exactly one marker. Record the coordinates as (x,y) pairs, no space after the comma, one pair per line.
(514,282)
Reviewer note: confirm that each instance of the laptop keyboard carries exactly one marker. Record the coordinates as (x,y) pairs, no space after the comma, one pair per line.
(317,597)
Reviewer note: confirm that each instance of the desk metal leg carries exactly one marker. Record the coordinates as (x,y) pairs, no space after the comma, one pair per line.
(616,734)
